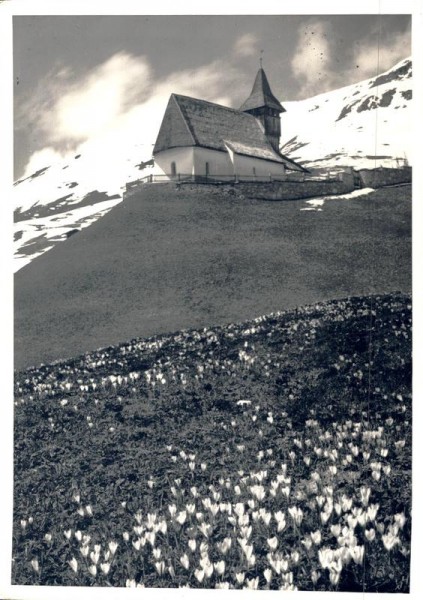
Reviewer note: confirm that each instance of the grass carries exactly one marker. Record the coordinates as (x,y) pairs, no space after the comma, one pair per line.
(271,454)
(162,261)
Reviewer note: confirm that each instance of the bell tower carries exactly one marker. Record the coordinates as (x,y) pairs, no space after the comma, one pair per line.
(263,105)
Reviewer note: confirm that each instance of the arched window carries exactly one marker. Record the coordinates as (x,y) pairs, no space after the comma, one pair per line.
(173,169)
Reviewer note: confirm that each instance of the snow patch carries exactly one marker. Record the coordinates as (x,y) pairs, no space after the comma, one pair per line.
(54,228)
(338,127)
(318,202)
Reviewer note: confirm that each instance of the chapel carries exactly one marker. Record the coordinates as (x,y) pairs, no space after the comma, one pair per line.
(204,139)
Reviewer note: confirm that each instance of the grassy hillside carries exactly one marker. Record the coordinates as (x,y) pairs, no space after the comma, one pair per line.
(164,261)
(272,454)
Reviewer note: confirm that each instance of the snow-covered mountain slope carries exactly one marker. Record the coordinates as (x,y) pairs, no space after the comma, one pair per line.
(61,199)
(365,125)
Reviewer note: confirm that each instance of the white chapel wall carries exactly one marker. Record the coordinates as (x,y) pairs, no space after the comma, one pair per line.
(182,157)
(249,166)
(219,162)
(192,161)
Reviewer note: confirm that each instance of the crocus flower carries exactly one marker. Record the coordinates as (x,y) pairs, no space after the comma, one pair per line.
(389,541)
(316,537)
(160,567)
(400,520)
(357,554)
(35,565)
(181,518)
(280,519)
(74,564)
(315,576)
(268,574)
(296,514)
(113,547)
(240,577)
(273,543)
(219,567)
(199,575)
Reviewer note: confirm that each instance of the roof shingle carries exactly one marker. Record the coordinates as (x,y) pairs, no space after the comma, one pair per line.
(211,125)
(261,95)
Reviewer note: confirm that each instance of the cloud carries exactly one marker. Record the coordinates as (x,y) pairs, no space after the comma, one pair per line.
(371,57)
(312,63)
(64,108)
(317,68)
(42,158)
(246,45)
(117,105)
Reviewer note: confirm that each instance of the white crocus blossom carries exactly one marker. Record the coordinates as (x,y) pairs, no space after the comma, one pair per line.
(316,537)
(160,567)
(74,564)
(273,543)
(181,518)
(268,574)
(35,565)
(199,575)
(113,547)
(296,514)
(219,567)
(240,577)
(225,545)
(390,540)
(357,554)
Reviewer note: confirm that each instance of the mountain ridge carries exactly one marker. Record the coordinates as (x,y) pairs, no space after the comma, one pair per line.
(343,128)
(330,130)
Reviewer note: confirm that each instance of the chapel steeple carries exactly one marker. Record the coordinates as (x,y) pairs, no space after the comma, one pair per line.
(263,105)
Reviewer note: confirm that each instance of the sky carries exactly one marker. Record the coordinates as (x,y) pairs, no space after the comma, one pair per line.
(99,81)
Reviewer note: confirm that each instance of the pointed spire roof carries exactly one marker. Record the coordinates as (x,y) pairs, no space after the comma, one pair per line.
(261,95)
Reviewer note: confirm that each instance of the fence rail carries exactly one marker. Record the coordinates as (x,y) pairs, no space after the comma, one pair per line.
(213,179)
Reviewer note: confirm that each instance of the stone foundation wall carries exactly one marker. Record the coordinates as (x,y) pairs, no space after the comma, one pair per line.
(275,190)
(346,182)
(289,190)
(376,178)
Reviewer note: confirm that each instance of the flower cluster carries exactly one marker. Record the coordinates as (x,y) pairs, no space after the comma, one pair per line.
(274,490)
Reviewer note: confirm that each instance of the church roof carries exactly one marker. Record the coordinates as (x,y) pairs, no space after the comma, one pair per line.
(193,122)
(261,95)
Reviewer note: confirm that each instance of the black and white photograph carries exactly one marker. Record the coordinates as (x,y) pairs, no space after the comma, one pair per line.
(212,301)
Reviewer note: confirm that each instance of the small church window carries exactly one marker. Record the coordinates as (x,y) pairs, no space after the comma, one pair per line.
(173,169)
(207,169)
